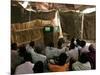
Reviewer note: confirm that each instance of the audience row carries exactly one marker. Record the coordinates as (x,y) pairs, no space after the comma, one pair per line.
(28,58)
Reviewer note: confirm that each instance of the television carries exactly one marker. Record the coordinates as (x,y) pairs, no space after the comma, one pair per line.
(48,29)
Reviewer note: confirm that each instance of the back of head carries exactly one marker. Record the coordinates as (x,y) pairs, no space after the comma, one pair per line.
(38,50)
(72,46)
(22,51)
(59,44)
(27,57)
(51,44)
(14,46)
(38,67)
(91,48)
(32,43)
(62,59)
(61,40)
(83,58)
(78,41)
(72,40)
(82,43)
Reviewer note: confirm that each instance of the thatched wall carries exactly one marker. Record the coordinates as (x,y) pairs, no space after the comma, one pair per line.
(90,26)
(71,24)
(22,33)
(27,26)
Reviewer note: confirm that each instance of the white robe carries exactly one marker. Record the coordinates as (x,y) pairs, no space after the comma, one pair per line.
(25,68)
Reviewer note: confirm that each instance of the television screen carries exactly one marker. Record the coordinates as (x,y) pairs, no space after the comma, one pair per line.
(47,29)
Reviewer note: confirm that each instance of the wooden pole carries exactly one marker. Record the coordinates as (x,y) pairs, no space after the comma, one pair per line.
(82,26)
(59,24)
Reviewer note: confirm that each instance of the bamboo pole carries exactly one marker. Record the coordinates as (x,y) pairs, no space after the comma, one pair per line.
(82,26)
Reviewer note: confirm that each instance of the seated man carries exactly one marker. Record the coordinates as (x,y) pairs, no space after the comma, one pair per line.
(15,57)
(27,66)
(50,51)
(92,56)
(59,65)
(84,48)
(73,52)
(35,52)
(30,47)
(82,64)
(37,55)
(60,49)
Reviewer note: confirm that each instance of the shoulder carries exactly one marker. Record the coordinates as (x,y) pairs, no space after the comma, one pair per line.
(41,55)
(76,63)
(18,68)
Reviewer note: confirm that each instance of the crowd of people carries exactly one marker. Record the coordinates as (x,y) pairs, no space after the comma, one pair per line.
(29,59)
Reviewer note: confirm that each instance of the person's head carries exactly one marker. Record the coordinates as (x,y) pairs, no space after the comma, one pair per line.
(82,43)
(91,48)
(51,44)
(83,58)
(78,41)
(62,59)
(61,40)
(38,67)
(72,40)
(72,46)
(38,50)
(32,44)
(14,46)
(22,51)
(59,44)
(28,57)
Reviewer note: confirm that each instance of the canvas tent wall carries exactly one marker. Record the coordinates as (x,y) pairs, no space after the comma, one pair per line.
(27,25)
(71,25)
(90,26)
(28,22)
